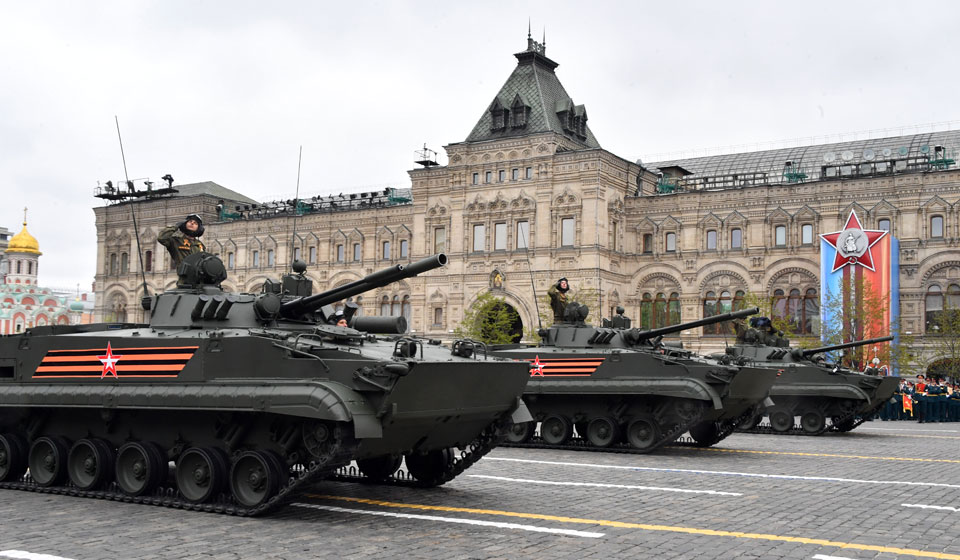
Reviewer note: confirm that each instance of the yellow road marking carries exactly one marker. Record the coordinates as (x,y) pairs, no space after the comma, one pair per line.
(837,455)
(648,527)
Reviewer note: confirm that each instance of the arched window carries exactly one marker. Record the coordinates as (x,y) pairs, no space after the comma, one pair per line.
(938,304)
(779,304)
(736,238)
(648,243)
(386,250)
(405,310)
(883,224)
(646,311)
(718,304)
(673,306)
(711,240)
(385,306)
(936,226)
(671,242)
(124,263)
(113,264)
(148,261)
(780,236)
(395,307)
(811,312)
(806,234)
(30,267)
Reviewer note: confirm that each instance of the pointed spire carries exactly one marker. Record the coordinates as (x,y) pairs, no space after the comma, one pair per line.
(24,216)
(528,29)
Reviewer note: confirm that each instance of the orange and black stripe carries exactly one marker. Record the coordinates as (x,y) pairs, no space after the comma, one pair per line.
(164,361)
(568,367)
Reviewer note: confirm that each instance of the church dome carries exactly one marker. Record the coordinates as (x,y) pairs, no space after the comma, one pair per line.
(23,242)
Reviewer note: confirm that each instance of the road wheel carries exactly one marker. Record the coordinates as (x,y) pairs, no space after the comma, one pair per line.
(556,430)
(13,457)
(48,460)
(141,467)
(201,473)
(603,431)
(643,433)
(781,420)
(813,422)
(90,463)
(521,432)
(429,468)
(705,434)
(381,467)
(255,477)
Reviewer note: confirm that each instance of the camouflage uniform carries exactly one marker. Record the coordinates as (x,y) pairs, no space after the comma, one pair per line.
(179,244)
(558,300)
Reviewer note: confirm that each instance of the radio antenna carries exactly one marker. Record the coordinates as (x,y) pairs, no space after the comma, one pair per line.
(533,285)
(136,230)
(296,205)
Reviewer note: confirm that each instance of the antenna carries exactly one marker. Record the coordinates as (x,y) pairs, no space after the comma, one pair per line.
(136,230)
(296,204)
(533,285)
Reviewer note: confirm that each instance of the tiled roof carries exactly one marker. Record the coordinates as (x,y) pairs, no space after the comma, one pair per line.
(540,89)
(212,189)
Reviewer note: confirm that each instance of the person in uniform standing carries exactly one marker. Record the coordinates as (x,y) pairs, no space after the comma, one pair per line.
(183,239)
(558,298)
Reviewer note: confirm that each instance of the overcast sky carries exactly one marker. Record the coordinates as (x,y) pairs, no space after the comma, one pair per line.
(227,91)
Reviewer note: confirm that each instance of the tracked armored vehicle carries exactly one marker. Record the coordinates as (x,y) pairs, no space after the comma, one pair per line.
(809,387)
(616,386)
(234,402)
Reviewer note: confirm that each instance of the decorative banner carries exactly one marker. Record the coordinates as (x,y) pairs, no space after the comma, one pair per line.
(860,257)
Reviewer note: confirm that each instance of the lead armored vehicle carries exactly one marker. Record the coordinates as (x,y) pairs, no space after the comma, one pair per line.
(613,384)
(234,402)
(808,386)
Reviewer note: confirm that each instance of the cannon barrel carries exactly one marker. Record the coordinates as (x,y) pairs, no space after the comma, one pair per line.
(378,279)
(812,351)
(642,335)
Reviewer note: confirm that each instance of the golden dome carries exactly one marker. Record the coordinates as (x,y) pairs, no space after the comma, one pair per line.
(23,242)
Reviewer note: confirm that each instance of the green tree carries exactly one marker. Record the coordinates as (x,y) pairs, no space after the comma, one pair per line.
(943,336)
(490,320)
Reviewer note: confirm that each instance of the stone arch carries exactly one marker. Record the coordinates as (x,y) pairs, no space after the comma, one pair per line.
(781,273)
(933,269)
(717,274)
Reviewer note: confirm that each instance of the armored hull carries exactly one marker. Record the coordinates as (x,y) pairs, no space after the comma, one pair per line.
(612,387)
(813,392)
(235,412)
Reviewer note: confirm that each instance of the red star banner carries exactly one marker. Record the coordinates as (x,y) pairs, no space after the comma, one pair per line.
(853,244)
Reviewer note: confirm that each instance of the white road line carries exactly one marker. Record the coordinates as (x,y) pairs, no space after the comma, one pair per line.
(730,473)
(825,557)
(22,555)
(908,430)
(461,521)
(941,508)
(599,485)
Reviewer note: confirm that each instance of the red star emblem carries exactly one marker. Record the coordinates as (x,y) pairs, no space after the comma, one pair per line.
(853,244)
(537,368)
(109,362)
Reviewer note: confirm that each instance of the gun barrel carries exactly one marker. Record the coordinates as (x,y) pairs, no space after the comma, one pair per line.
(812,351)
(376,280)
(698,323)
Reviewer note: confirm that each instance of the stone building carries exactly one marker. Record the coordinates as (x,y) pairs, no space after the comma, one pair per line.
(530,196)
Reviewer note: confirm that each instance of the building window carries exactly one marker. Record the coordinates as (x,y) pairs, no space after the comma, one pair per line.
(800,310)
(500,237)
(488,177)
(615,232)
(406,311)
(567,232)
(883,224)
(256,258)
(714,304)
(385,306)
(437,317)
(356,252)
(439,240)
(395,307)
(780,236)
(340,253)
(148,261)
(938,304)
(502,175)
(936,226)
(113,264)
(523,234)
(479,231)
(404,248)
(271,260)
(386,250)
(806,234)
(296,253)
(515,174)
(660,311)
(711,240)
(312,252)
(671,242)
(647,244)
(230,260)
(528,173)
(736,238)
(476,178)
(30,266)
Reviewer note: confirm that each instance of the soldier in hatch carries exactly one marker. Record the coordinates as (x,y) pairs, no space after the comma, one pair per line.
(558,298)
(183,239)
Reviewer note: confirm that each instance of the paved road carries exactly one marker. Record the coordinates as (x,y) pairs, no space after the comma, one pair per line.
(886,490)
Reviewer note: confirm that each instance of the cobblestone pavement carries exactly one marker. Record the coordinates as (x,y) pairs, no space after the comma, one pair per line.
(886,490)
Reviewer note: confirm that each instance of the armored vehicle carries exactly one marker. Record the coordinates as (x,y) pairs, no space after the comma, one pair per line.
(233,402)
(621,386)
(808,386)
